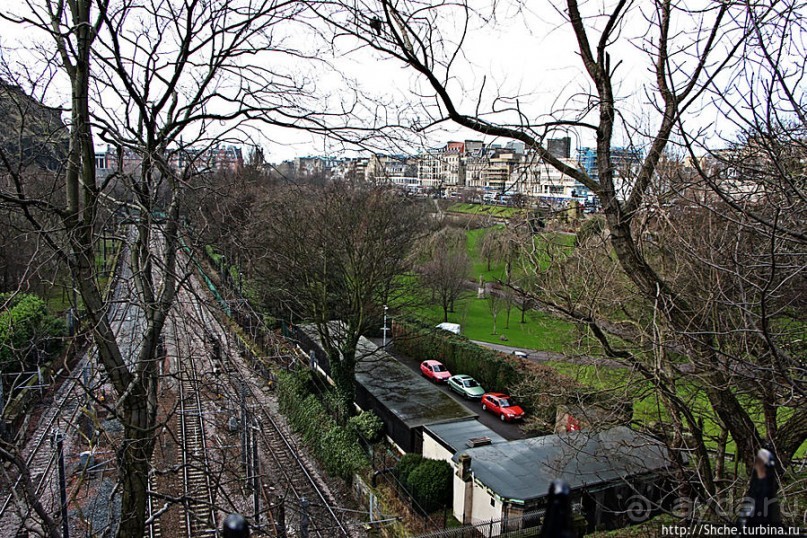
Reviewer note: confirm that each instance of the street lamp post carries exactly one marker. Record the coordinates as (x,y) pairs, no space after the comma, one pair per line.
(384,338)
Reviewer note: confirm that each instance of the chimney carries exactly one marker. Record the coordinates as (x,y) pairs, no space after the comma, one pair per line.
(464,473)
(464,467)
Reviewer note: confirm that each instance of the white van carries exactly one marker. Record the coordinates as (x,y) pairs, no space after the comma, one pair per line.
(450,327)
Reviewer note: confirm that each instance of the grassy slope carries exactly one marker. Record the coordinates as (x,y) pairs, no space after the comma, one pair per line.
(492,210)
(544,332)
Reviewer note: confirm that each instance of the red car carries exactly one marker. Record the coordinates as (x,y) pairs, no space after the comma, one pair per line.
(501,404)
(434,370)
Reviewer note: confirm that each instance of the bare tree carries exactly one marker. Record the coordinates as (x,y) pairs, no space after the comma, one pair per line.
(492,246)
(690,53)
(144,78)
(333,256)
(446,267)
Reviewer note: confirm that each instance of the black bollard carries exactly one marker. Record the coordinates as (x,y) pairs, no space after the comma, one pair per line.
(235,526)
(762,504)
(558,516)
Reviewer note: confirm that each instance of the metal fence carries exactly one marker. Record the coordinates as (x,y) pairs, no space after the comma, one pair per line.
(512,527)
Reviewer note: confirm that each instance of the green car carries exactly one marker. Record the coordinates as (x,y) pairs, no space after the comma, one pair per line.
(466,386)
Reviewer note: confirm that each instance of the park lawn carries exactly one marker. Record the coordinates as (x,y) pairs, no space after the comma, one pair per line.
(541,331)
(479,209)
(647,409)
(479,267)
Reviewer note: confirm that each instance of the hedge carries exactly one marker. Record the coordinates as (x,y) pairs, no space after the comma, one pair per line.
(428,481)
(431,484)
(460,355)
(336,447)
(26,326)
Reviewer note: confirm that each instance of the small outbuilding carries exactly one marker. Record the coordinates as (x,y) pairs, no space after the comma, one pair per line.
(606,470)
(403,400)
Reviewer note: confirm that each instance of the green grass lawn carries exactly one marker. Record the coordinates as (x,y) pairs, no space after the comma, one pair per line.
(479,209)
(479,266)
(541,331)
(647,409)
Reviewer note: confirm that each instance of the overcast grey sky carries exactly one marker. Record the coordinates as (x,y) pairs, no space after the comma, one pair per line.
(529,51)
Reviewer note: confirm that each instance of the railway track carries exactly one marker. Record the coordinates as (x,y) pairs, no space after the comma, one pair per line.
(200,512)
(314,506)
(40,458)
(283,472)
(39,454)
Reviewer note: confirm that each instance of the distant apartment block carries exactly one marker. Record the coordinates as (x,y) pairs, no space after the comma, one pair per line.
(216,158)
(624,162)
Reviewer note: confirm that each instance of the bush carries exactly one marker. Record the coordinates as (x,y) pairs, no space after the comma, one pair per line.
(458,353)
(336,447)
(340,452)
(28,333)
(430,484)
(367,425)
(405,466)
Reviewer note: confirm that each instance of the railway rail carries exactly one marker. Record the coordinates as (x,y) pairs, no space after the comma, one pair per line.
(200,512)
(284,473)
(39,455)
(205,370)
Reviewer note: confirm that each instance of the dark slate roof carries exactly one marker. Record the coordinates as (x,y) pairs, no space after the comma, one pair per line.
(414,400)
(406,394)
(455,435)
(522,470)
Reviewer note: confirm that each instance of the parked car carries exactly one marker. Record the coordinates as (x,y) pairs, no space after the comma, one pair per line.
(500,404)
(434,370)
(455,328)
(466,386)
(521,354)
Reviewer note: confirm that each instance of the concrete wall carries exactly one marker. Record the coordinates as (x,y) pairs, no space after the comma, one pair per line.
(483,511)
(433,450)
(472,502)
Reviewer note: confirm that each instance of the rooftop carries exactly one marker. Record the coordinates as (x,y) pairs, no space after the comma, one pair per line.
(522,470)
(414,400)
(455,435)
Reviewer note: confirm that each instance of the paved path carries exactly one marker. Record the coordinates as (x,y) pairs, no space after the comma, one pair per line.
(545,356)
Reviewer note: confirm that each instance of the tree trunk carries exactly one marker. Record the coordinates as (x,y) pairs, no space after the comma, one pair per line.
(133,460)
(343,373)
(718,389)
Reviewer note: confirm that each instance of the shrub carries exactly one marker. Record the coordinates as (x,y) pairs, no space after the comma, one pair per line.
(27,331)
(430,484)
(405,466)
(336,447)
(340,452)
(368,425)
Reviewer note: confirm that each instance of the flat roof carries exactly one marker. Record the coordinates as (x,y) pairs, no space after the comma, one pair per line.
(455,435)
(522,470)
(406,394)
(414,400)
